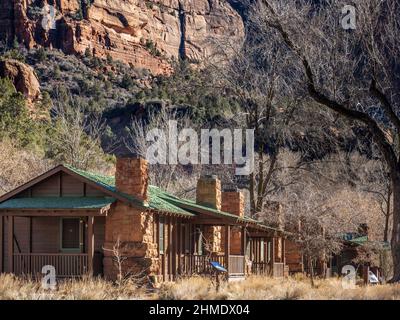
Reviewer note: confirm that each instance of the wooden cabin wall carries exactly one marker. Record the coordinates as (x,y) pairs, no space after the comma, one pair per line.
(47,188)
(45,235)
(61,185)
(294,257)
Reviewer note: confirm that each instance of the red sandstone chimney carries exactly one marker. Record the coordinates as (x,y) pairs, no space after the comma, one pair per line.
(208,192)
(131,177)
(233,201)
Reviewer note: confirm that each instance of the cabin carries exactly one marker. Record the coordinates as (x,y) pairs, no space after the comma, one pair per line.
(363,253)
(83,223)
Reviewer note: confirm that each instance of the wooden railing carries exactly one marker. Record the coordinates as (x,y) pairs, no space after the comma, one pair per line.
(260,268)
(278,270)
(66,264)
(236,265)
(198,264)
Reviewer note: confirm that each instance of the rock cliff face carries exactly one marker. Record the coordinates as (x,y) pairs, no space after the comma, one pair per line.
(23,77)
(142,33)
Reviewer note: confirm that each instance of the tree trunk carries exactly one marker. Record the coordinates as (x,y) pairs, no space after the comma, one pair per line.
(387,215)
(386,231)
(395,243)
(311,269)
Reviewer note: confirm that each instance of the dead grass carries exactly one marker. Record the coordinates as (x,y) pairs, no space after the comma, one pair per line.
(13,288)
(197,288)
(263,288)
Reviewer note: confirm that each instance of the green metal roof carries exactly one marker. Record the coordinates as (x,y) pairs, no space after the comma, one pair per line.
(156,201)
(159,200)
(360,240)
(179,201)
(163,201)
(57,203)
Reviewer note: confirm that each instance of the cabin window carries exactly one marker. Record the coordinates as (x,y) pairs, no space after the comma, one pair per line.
(70,234)
(161,235)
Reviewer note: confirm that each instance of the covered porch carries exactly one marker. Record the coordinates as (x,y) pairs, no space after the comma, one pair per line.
(240,247)
(68,235)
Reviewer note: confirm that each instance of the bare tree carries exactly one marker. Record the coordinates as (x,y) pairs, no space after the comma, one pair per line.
(17,166)
(352,73)
(173,177)
(371,176)
(120,259)
(76,136)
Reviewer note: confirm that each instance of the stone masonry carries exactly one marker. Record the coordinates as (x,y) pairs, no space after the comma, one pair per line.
(132,177)
(233,202)
(129,231)
(208,193)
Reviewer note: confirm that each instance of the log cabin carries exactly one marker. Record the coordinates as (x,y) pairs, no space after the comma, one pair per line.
(81,223)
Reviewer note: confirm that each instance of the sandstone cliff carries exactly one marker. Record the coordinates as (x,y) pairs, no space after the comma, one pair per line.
(23,77)
(141,33)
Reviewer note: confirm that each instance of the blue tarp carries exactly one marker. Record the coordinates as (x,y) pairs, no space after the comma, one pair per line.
(217,266)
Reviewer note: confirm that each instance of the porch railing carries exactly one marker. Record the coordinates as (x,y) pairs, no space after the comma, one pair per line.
(66,264)
(278,270)
(236,265)
(198,264)
(260,268)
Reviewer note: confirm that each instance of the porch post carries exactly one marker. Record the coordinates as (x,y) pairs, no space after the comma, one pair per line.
(30,242)
(179,246)
(244,241)
(227,245)
(170,244)
(244,245)
(1,244)
(90,242)
(273,244)
(174,246)
(10,242)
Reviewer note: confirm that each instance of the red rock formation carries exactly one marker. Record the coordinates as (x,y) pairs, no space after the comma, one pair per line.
(23,77)
(144,34)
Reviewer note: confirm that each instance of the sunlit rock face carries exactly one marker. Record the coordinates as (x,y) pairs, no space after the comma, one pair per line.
(144,34)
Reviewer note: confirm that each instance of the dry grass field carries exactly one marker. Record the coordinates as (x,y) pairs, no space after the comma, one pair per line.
(254,288)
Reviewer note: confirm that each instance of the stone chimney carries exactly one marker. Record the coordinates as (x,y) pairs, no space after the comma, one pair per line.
(208,192)
(233,201)
(132,177)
